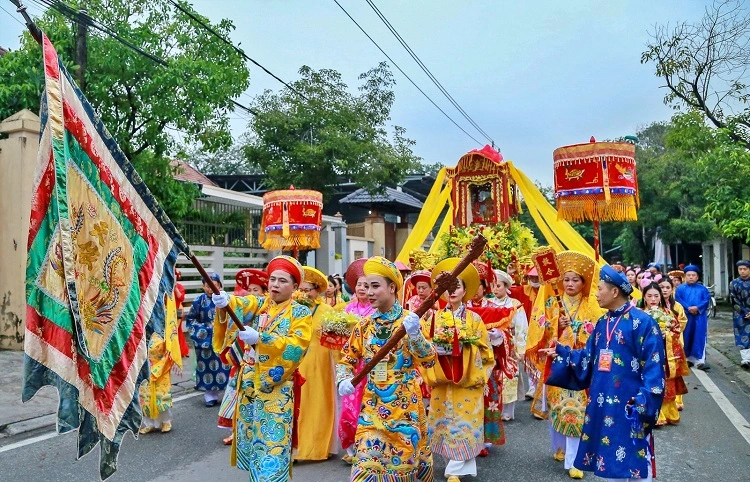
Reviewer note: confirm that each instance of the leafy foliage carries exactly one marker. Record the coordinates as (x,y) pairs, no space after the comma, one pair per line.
(336,133)
(504,241)
(705,64)
(141,102)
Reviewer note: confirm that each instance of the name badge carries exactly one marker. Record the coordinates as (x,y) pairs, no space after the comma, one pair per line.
(605,360)
(380,372)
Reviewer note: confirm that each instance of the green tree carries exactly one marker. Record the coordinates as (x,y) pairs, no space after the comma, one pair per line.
(142,103)
(336,133)
(724,164)
(224,161)
(671,192)
(704,66)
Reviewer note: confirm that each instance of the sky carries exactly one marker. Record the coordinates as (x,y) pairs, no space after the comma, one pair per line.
(534,75)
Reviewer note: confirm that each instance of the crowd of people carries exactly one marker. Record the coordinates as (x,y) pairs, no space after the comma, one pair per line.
(602,353)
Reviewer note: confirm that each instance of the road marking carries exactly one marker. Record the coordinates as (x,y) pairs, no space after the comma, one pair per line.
(28,441)
(47,436)
(186,396)
(739,422)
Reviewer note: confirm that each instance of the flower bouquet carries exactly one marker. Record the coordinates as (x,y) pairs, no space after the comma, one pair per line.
(445,334)
(336,328)
(302,298)
(665,320)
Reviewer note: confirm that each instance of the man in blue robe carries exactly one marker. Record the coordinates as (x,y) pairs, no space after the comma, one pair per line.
(622,365)
(694,297)
(739,295)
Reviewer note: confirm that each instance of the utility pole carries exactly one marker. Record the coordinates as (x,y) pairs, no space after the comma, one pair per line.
(81,52)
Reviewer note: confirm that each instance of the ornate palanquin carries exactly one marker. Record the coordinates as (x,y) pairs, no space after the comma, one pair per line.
(482,190)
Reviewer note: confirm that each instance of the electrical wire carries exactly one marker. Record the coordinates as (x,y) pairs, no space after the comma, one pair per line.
(236,49)
(405,74)
(13,16)
(87,20)
(427,70)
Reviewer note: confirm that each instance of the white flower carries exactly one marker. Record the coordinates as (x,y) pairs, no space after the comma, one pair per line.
(493,407)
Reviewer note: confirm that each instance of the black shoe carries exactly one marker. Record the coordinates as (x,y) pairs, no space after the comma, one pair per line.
(690,364)
(212,403)
(703,366)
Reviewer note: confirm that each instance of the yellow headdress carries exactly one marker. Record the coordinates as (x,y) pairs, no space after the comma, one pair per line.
(380,266)
(580,264)
(316,277)
(470,275)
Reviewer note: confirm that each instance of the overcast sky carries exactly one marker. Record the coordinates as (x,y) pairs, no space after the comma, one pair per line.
(535,75)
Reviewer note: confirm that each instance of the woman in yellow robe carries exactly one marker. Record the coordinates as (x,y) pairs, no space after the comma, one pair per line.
(163,354)
(318,415)
(675,366)
(275,339)
(568,321)
(391,440)
(465,359)
(667,289)
(333,296)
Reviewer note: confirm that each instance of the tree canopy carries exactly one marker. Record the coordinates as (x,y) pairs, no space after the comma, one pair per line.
(316,131)
(144,105)
(705,67)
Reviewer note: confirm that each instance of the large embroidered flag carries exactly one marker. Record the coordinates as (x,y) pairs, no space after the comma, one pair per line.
(101,257)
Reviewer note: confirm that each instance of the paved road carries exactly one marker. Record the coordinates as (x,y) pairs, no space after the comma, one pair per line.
(705,446)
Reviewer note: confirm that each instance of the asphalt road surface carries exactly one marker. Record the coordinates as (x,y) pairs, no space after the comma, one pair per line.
(711,443)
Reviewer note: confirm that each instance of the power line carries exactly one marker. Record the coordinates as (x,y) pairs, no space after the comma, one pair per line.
(405,74)
(426,70)
(236,49)
(87,20)
(13,16)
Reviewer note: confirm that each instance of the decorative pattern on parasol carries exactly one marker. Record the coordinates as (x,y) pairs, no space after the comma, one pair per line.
(292,219)
(596,182)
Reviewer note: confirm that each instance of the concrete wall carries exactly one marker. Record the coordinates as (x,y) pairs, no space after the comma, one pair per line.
(716,265)
(17,165)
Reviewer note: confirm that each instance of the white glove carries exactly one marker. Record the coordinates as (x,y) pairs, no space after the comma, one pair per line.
(346,387)
(249,335)
(495,334)
(442,351)
(221,300)
(412,325)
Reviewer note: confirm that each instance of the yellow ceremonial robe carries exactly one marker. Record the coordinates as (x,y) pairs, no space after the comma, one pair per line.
(455,423)
(566,408)
(317,415)
(262,442)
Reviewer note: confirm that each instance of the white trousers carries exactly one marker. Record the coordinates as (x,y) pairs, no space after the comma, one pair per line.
(211,395)
(698,361)
(745,355)
(164,417)
(461,467)
(568,444)
(509,410)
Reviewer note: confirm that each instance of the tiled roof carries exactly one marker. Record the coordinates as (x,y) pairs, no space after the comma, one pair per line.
(390,196)
(190,174)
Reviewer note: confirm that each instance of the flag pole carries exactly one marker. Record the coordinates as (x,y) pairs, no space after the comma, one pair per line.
(215,290)
(35,32)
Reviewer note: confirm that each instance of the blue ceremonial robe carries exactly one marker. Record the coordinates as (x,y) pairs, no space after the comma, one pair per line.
(739,293)
(609,447)
(210,372)
(696,330)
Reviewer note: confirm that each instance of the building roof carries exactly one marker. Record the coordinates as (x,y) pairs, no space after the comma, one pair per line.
(390,200)
(190,174)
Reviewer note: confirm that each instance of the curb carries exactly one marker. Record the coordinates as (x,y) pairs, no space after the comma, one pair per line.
(50,420)
(734,371)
